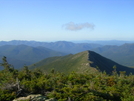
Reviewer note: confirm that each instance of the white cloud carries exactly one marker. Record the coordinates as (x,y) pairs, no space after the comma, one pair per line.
(74,27)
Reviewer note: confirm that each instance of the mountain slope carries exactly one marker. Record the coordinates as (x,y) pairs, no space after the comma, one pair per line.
(66,64)
(26,55)
(123,54)
(81,62)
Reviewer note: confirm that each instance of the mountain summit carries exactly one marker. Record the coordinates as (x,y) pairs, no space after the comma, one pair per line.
(80,62)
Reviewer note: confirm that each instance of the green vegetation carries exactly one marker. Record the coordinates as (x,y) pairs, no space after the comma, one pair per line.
(78,62)
(87,86)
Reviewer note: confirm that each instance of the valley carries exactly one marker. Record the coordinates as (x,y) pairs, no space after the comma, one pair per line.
(21,53)
(66,71)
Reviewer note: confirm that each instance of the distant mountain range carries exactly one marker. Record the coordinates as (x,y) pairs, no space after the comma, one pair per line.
(105,42)
(61,46)
(123,54)
(21,55)
(80,62)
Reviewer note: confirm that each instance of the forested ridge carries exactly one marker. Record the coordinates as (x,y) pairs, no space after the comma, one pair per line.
(87,86)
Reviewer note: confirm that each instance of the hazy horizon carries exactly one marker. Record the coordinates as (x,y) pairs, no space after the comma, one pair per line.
(54,20)
(109,42)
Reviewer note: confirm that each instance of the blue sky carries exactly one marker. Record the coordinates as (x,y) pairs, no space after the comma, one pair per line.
(54,20)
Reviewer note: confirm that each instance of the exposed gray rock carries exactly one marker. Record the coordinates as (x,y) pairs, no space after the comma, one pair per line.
(36,97)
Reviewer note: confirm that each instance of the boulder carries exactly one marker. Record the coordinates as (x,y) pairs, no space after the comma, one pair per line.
(34,97)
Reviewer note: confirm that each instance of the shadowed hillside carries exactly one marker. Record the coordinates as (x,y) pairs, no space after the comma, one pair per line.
(81,62)
(105,64)
(123,54)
